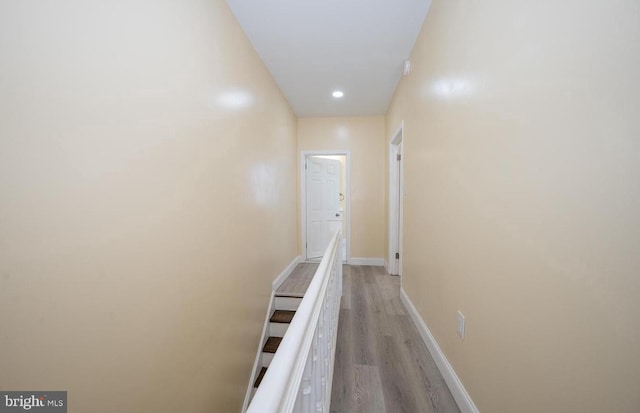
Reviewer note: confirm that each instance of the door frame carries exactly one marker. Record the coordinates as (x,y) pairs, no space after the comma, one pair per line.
(396,200)
(303,198)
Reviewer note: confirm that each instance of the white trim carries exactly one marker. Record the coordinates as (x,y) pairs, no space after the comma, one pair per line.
(386,266)
(378,262)
(396,145)
(258,358)
(303,198)
(287,271)
(458,391)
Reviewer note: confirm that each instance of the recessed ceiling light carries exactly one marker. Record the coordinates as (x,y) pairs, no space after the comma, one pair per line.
(338,93)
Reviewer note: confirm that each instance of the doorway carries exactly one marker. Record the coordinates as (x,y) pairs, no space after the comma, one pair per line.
(325,201)
(396,185)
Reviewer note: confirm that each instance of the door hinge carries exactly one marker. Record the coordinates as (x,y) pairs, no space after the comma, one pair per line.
(397,255)
(398,157)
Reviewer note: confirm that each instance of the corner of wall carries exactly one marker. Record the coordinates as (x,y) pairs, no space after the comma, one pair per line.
(277,282)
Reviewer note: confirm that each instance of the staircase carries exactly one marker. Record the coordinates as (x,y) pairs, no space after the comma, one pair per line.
(293,369)
(284,308)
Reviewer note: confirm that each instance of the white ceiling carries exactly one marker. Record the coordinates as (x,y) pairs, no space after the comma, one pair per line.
(312,47)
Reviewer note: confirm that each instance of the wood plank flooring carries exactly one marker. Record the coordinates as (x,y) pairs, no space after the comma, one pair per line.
(382,365)
(298,281)
(282,316)
(272,344)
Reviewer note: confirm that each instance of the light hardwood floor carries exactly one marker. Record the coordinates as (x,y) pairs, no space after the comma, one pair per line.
(298,281)
(382,365)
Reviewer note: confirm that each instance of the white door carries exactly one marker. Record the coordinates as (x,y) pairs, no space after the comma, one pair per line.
(324,214)
(395,206)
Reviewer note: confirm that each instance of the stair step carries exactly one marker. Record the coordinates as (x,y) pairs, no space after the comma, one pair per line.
(267,358)
(260,377)
(288,303)
(282,316)
(272,344)
(278,329)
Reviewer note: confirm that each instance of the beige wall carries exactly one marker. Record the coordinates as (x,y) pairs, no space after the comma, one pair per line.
(364,137)
(147,160)
(522,166)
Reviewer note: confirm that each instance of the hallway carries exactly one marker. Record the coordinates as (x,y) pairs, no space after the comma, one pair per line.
(152,172)
(382,364)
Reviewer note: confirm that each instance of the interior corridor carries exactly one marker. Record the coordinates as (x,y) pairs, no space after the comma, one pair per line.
(382,363)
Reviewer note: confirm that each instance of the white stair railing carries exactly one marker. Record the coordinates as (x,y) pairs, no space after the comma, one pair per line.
(300,375)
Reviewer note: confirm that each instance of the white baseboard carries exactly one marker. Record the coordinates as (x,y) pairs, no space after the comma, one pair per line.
(386,266)
(287,271)
(458,391)
(258,359)
(378,262)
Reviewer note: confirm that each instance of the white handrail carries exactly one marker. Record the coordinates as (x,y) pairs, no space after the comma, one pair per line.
(300,375)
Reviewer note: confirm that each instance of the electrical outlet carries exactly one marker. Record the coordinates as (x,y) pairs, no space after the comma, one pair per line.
(461,324)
